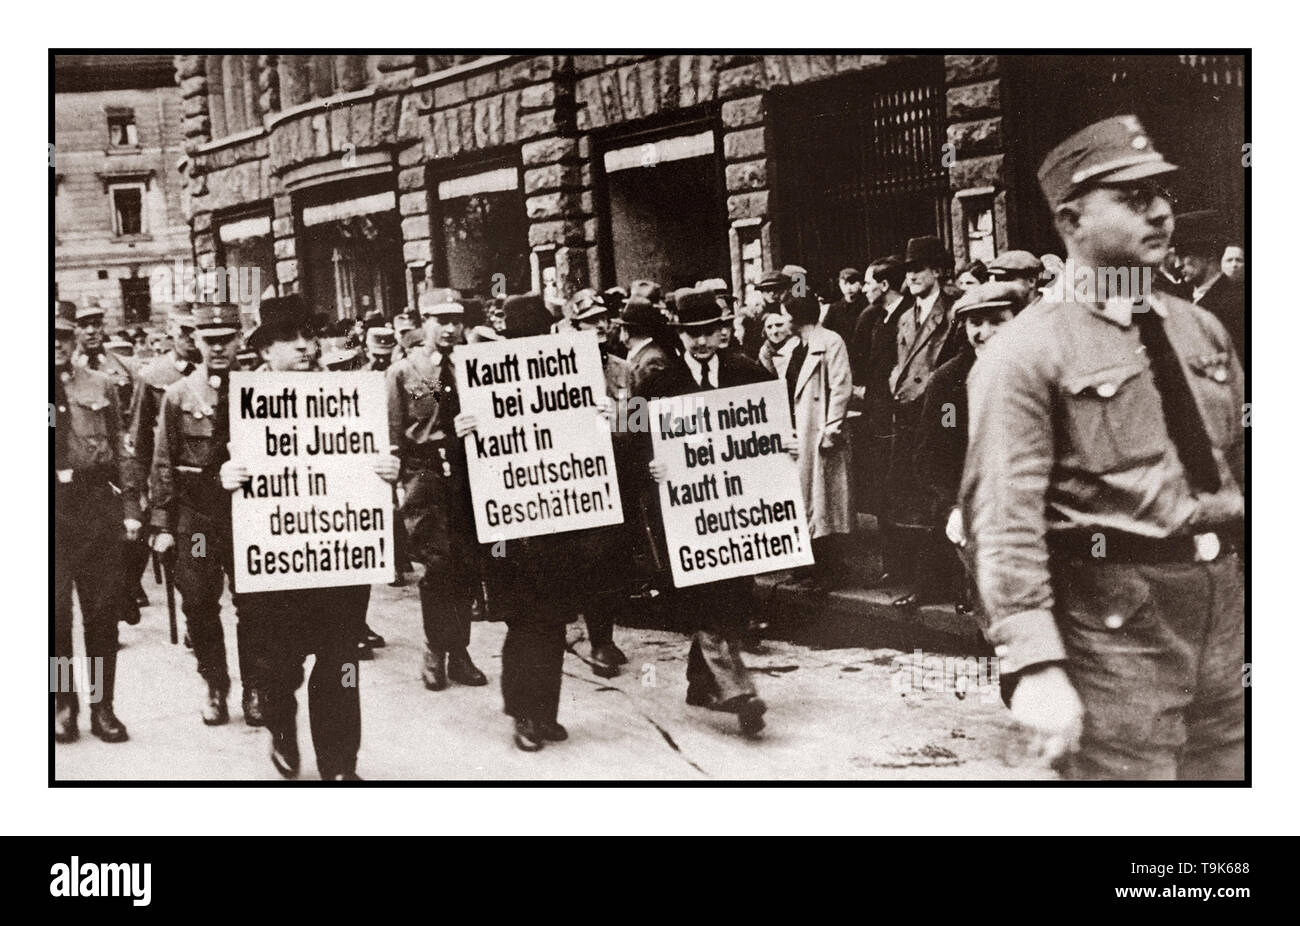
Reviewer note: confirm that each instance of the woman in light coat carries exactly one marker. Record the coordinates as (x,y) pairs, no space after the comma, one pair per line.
(820,383)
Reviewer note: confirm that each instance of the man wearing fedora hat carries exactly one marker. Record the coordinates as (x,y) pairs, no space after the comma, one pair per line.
(720,611)
(926,339)
(191,511)
(1200,242)
(292,624)
(1103,494)
(88,530)
(422,408)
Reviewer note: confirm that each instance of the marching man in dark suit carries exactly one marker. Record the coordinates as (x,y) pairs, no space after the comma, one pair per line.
(927,338)
(715,673)
(295,623)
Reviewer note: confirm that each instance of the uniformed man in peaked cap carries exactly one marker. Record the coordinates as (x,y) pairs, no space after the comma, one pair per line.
(151,382)
(88,530)
(422,407)
(191,511)
(1103,492)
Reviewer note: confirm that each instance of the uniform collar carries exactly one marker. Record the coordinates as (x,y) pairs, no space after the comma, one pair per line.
(1119,311)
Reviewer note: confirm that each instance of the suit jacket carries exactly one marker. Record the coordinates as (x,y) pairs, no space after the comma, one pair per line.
(842,316)
(939,450)
(649,362)
(733,370)
(1226,301)
(822,389)
(922,347)
(873,353)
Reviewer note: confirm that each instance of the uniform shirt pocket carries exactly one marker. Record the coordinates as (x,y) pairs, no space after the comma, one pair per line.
(421,400)
(1212,384)
(90,427)
(1113,418)
(197,430)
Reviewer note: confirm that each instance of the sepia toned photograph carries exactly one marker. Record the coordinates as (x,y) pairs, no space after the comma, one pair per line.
(693,417)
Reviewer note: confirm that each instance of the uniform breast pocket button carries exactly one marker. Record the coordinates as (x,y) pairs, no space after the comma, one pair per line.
(1114,621)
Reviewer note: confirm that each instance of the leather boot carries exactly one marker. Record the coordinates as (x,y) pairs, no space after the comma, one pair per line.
(460,668)
(215,712)
(434,672)
(284,750)
(254,709)
(105,725)
(65,718)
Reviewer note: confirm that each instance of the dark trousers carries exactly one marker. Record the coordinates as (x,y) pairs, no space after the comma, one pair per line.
(532,668)
(323,622)
(203,563)
(1156,653)
(720,612)
(598,610)
(925,559)
(401,545)
(440,524)
(135,560)
(87,557)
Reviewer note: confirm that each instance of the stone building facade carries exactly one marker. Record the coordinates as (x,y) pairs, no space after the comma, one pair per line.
(119,215)
(359,179)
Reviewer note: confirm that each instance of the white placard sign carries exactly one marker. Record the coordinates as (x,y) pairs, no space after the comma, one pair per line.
(731,501)
(541,460)
(315,514)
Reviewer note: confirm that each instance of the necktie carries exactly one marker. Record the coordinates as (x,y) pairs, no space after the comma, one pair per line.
(221,415)
(447,386)
(704,376)
(1182,417)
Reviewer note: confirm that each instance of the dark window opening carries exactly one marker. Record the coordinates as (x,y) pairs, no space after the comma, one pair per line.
(128,210)
(861,167)
(136,305)
(121,129)
(666,209)
(482,232)
(351,251)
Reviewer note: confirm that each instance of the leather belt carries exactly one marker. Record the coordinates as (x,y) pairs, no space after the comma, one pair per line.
(1121,547)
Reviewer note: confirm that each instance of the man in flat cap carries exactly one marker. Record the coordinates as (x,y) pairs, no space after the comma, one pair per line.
(942,430)
(151,382)
(1019,268)
(88,530)
(1103,493)
(715,672)
(926,339)
(422,409)
(191,511)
